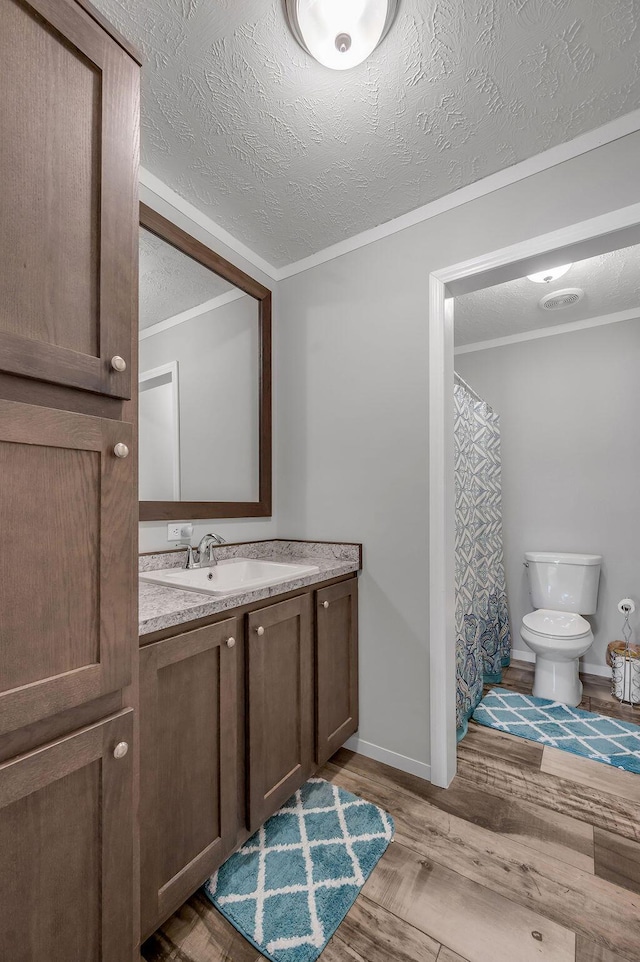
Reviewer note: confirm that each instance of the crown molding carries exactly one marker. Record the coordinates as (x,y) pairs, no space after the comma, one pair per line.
(577,242)
(607,133)
(169,196)
(591,140)
(629,315)
(188,315)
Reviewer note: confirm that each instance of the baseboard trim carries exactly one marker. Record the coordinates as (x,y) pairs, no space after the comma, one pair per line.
(602,670)
(387,757)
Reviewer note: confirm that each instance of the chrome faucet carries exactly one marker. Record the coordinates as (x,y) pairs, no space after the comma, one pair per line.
(190,560)
(206,548)
(204,553)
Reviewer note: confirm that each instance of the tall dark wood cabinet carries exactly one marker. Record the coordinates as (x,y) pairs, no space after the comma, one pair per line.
(66,837)
(65,594)
(68,493)
(69,127)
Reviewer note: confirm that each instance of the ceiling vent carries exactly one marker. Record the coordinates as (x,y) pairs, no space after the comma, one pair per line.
(557,300)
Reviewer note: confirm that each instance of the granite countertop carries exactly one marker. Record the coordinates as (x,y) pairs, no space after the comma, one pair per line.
(162,607)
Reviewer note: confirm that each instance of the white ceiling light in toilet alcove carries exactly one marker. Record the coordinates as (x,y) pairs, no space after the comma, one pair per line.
(545,277)
(340,33)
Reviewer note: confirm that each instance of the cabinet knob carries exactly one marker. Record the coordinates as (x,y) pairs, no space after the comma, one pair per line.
(260,631)
(325,604)
(118,363)
(121,450)
(230,642)
(120,750)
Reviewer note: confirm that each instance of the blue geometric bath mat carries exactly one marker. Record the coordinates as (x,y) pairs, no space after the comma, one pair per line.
(289,887)
(575,730)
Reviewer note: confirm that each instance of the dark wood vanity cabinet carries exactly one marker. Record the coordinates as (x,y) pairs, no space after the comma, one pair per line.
(280,704)
(336,667)
(188,778)
(68,485)
(228,732)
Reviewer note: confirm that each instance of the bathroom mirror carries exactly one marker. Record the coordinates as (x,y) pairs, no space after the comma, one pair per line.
(205,381)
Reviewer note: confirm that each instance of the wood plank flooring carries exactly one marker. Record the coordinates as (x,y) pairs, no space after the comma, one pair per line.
(526,856)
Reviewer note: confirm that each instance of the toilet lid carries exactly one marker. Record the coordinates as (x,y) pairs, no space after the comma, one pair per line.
(556,624)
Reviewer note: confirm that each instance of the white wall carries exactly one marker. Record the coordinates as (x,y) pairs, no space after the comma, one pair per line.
(569,407)
(352,412)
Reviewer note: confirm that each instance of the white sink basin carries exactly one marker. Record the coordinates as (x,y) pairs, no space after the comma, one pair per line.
(236,574)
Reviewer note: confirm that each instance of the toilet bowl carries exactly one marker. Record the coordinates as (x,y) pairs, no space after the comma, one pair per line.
(559,639)
(563,587)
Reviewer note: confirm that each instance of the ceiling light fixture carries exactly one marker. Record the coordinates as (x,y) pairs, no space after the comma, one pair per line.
(340,33)
(545,277)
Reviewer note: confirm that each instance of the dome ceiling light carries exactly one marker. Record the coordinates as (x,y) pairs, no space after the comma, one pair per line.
(340,33)
(545,277)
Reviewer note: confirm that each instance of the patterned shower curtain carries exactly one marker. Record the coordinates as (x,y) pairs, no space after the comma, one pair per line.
(483,634)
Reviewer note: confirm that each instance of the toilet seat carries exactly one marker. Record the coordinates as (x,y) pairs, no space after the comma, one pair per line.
(559,625)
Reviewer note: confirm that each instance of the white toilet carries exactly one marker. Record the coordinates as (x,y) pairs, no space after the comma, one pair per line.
(563,587)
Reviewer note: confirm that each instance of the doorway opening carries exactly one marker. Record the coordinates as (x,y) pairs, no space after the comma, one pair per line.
(159,441)
(598,236)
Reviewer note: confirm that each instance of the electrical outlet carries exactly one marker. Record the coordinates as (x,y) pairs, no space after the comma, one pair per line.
(179,531)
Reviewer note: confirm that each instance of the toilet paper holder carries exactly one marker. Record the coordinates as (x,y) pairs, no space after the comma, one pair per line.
(625,661)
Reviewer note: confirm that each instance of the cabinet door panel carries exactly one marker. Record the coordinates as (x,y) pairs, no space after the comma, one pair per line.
(280,704)
(337,667)
(68,204)
(188,724)
(65,572)
(66,837)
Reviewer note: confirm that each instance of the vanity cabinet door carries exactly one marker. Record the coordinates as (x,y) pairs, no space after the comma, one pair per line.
(66,838)
(65,568)
(68,204)
(279,704)
(336,667)
(188,777)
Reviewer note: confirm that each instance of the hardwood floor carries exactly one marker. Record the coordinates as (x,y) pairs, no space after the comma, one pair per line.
(531,854)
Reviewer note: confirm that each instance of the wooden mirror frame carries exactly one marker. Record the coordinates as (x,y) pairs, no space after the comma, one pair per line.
(192,510)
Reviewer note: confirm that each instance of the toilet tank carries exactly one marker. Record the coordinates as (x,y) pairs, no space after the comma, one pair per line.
(564,582)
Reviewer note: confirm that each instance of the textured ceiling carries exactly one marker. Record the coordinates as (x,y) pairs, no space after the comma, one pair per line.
(291,157)
(171,282)
(611,283)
